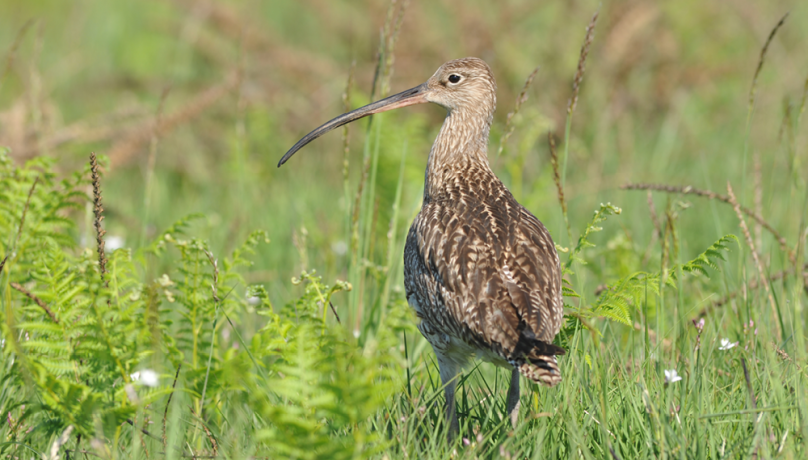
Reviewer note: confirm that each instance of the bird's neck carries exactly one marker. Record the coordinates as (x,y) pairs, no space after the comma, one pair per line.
(462,144)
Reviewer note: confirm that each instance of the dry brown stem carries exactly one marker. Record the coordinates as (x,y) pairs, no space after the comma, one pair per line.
(756,258)
(24,213)
(579,74)
(784,356)
(556,175)
(98,210)
(753,284)
(110,125)
(672,216)
(36,300)
(214,445)
(786,129)
(123,151)
(757,174)
(215,283)
(165,412)
(334,311)
(753,88)
(752,397)
(143,444)
(521,99)
(688,190)
(142,430)
(657,231)
(356,208)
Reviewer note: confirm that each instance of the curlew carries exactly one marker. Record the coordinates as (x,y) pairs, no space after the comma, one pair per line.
(480,271)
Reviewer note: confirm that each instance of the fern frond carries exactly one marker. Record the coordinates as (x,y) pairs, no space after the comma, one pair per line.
(569,292)
(616,300)
(177,228)
(711,256)
(599,216)
(247,248)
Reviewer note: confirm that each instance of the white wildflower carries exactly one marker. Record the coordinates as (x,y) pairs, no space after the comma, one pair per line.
(114,242)
(671,376)
(146,377)
(726,344)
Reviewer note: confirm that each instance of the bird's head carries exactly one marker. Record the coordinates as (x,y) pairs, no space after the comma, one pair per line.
(465,86)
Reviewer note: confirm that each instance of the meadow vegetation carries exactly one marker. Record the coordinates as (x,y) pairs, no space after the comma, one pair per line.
(167,292)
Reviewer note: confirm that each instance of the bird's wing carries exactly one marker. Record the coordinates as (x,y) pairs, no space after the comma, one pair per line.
(537,272)
(495,272)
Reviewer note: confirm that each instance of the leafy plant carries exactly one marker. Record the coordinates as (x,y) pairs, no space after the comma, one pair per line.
(616,299)
(78,342)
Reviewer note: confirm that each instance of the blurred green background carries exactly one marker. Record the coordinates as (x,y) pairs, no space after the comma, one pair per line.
(191,103)
(207,96)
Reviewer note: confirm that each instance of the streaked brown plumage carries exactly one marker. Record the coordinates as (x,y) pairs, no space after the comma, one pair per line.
(480,271)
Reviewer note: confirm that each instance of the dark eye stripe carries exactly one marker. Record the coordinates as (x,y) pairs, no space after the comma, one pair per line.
(453,78)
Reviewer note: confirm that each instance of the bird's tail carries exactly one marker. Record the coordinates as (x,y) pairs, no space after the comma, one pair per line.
(536,359)
(541,369)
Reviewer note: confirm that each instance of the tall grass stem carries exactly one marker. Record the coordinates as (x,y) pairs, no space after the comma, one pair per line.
(572,103)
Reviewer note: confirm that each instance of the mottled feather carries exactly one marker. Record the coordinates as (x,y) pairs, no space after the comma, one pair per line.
(483,270)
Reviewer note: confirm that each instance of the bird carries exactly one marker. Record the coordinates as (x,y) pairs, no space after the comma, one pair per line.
(480,271)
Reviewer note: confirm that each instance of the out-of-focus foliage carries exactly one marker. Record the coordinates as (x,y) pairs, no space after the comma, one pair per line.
(192,103)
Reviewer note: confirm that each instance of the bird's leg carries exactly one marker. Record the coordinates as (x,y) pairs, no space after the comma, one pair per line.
(513,398)
(448,376)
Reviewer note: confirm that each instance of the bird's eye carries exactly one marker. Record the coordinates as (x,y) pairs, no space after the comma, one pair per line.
(454,78)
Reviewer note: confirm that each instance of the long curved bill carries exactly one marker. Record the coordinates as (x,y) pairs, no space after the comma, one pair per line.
(411,96)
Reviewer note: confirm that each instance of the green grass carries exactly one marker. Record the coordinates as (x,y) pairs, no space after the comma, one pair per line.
(664,100)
